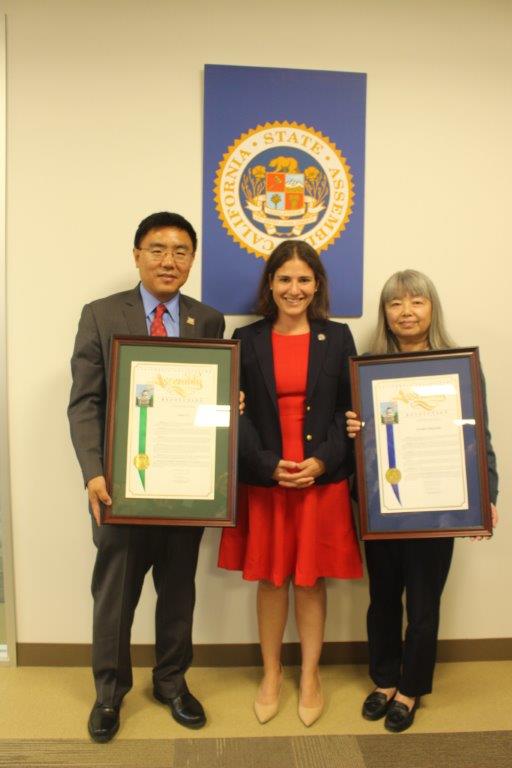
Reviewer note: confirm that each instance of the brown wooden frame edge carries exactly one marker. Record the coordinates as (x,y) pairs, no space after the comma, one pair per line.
(248,654)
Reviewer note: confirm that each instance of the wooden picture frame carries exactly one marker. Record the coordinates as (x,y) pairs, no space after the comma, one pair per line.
(172,431)
(421,453)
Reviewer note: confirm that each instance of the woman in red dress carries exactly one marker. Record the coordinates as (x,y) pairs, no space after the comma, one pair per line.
(295,519)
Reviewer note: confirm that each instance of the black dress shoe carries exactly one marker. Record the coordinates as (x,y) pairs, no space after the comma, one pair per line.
(103,723)
(185,709)
(375,705)
(400,717)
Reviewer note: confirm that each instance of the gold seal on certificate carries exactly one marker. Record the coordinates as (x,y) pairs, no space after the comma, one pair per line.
(393,476)
(141,461)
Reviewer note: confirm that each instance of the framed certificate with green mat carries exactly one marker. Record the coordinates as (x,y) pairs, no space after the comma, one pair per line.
(172,428)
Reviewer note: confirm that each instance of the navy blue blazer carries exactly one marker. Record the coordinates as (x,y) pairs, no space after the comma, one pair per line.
(327,399)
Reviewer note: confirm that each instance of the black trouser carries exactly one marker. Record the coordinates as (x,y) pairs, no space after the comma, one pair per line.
(420,566)
(125,554)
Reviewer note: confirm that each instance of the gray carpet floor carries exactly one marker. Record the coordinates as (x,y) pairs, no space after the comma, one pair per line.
(447,750)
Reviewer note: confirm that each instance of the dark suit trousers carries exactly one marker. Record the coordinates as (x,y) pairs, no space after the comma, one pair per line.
(124,555)
(420,566)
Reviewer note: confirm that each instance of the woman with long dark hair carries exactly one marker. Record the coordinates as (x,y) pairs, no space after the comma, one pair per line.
(295,519)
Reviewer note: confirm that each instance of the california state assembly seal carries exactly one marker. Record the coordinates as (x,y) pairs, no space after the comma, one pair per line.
(283,180)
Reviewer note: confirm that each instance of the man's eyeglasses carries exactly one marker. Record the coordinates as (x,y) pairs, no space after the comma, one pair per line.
(179,254)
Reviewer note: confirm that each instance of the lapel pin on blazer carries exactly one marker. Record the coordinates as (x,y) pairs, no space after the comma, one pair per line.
(321,337)
(191,321)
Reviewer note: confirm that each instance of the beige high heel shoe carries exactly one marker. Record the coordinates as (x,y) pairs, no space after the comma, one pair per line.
(265,712)
(310,715)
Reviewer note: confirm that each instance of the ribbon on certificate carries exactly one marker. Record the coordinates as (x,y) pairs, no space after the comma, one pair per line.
(393,475)
(141,460)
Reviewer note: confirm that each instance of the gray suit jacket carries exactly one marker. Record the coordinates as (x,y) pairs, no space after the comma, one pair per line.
(123,314)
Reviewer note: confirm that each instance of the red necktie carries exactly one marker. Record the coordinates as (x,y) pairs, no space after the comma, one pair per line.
(157,326)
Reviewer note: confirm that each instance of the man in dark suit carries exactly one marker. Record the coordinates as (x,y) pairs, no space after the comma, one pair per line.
(165,245)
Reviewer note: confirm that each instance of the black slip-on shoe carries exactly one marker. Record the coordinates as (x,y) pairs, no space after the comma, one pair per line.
(375,705)
(399,717)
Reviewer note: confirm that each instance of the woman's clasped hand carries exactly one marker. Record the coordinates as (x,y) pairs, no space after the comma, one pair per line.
(298,474)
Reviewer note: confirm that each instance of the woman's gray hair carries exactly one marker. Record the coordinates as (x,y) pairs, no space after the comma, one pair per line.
(415,284)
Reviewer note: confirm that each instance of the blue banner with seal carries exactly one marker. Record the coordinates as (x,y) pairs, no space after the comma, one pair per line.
(283,159)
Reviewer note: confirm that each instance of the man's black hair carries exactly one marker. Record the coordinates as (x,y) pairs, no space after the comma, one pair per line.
(164,219)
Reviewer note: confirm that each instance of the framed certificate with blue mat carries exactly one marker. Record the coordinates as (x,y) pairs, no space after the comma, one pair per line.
(421,455)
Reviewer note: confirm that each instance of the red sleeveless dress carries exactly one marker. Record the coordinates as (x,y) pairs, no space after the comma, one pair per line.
(285,532)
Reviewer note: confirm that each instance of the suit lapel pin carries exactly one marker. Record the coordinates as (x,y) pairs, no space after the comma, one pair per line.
(321,337)
(191,321)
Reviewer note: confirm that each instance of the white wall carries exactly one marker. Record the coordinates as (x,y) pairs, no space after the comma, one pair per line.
(105,126)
